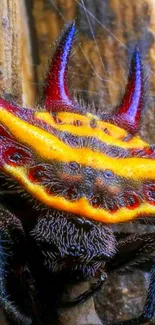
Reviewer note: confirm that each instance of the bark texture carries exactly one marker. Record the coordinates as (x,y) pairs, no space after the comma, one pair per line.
(27,32)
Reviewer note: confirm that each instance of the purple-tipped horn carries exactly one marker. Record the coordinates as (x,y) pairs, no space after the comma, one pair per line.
(128,114)
(56,92)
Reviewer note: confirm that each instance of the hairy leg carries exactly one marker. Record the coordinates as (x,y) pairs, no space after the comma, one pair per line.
(12,249)
(134,252)
(96,286)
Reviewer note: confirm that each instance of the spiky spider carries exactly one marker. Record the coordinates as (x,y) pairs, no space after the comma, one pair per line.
(74,174)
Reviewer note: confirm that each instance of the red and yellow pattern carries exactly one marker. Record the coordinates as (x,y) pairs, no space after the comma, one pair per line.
(68,159)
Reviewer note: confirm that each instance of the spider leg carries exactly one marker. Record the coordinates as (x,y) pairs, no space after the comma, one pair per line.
(134,252)
(96,286)
(11,242)
(130,254)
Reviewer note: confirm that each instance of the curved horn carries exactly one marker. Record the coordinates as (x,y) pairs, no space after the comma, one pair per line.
(56,92)
(129,112)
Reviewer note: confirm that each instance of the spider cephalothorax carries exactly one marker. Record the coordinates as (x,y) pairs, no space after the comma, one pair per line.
(84,172)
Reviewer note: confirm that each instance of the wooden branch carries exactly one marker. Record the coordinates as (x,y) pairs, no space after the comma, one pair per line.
(10,48)
(28,68)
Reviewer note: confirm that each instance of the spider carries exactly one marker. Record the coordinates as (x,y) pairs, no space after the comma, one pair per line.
(66,175)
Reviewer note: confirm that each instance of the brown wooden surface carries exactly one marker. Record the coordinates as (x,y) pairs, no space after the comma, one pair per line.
(27,32)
